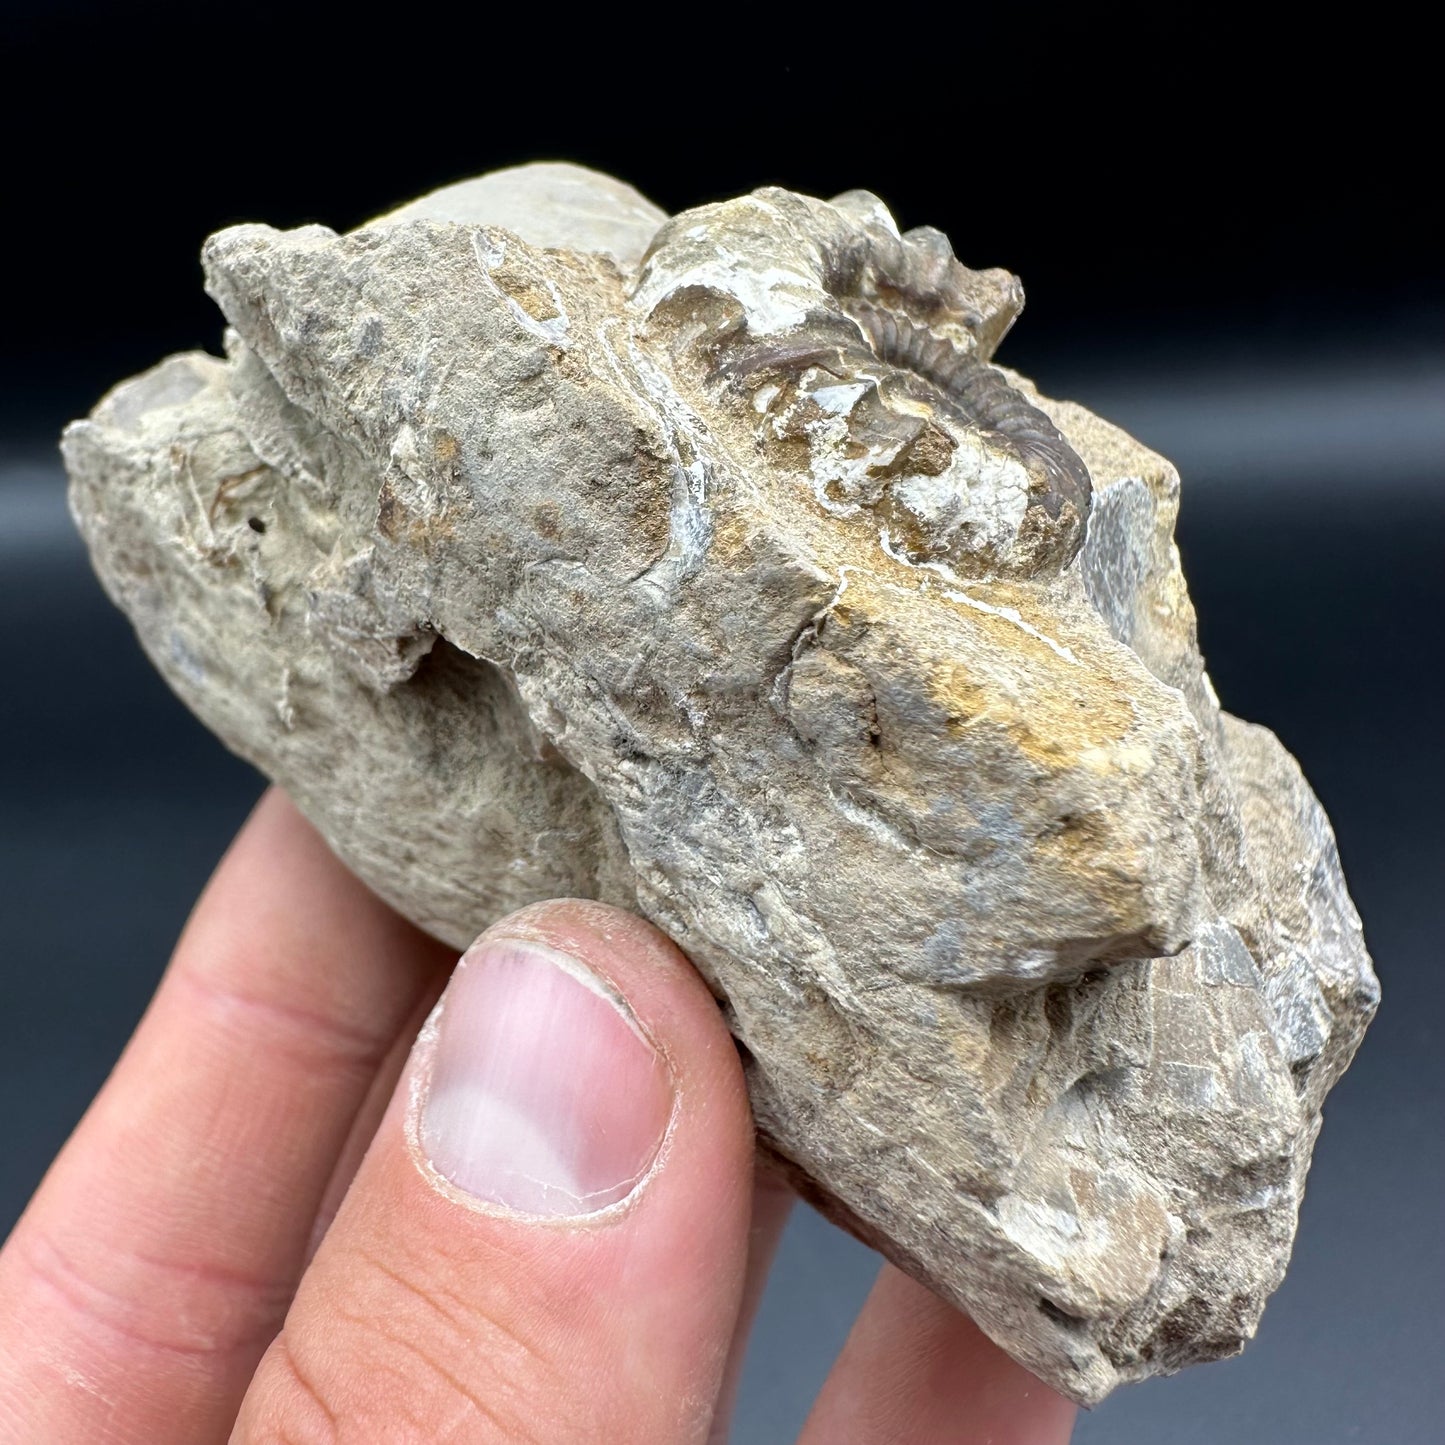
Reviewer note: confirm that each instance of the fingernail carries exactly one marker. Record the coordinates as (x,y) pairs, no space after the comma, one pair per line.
(545,1095)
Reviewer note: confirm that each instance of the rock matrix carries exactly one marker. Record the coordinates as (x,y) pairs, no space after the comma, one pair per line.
(541,545)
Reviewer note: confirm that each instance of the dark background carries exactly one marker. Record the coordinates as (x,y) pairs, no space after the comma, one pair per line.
(1224,238)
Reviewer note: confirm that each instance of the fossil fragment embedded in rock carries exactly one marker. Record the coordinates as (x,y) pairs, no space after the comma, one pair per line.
(541,545)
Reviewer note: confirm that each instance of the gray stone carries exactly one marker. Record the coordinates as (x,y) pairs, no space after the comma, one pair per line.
(733,583)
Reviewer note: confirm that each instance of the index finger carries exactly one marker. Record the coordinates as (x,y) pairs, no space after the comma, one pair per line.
(158,1257)
(916,1369)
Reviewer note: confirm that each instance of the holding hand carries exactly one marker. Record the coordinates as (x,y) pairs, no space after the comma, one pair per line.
(288,1217)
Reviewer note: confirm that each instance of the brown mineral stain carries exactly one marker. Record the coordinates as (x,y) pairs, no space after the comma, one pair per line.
(519,283)
(965,700)
(1079,836)
(428,531)
(388,512)
(394,521)
(547,518)
(1058,713)
(734,545)
(928,454)
(648,506)
(790,452)
(1063,712)
(1084,1184)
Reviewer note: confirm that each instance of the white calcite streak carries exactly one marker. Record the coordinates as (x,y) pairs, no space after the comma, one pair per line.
(541,546)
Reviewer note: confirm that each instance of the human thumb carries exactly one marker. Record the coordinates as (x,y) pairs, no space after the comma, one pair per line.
(547,1238)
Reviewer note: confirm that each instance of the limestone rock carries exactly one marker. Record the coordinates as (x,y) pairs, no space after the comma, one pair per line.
(541,546)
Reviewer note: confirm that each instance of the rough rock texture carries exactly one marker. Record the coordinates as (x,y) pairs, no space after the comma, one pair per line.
(732,583)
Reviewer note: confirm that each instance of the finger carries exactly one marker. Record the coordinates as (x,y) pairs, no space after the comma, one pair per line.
(373,1109)
(157,1260)
(548,1237)
(916,1370)
(772,1205)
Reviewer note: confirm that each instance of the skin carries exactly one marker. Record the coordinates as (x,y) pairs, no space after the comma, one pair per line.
(240,1241)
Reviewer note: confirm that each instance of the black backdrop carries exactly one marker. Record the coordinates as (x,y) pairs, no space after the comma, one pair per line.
(1223,237)
(1157,175)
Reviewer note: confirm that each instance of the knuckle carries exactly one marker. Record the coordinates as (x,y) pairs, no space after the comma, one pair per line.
(285,1406)
(314,1036)
(155,1305)
(411,1359)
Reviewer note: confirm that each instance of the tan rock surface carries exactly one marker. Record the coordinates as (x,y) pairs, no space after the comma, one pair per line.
(734,584)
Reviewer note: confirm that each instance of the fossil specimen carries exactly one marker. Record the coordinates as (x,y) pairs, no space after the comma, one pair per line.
(541,545)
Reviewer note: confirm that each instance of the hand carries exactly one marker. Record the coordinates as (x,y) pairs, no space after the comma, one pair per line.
(289,1218)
